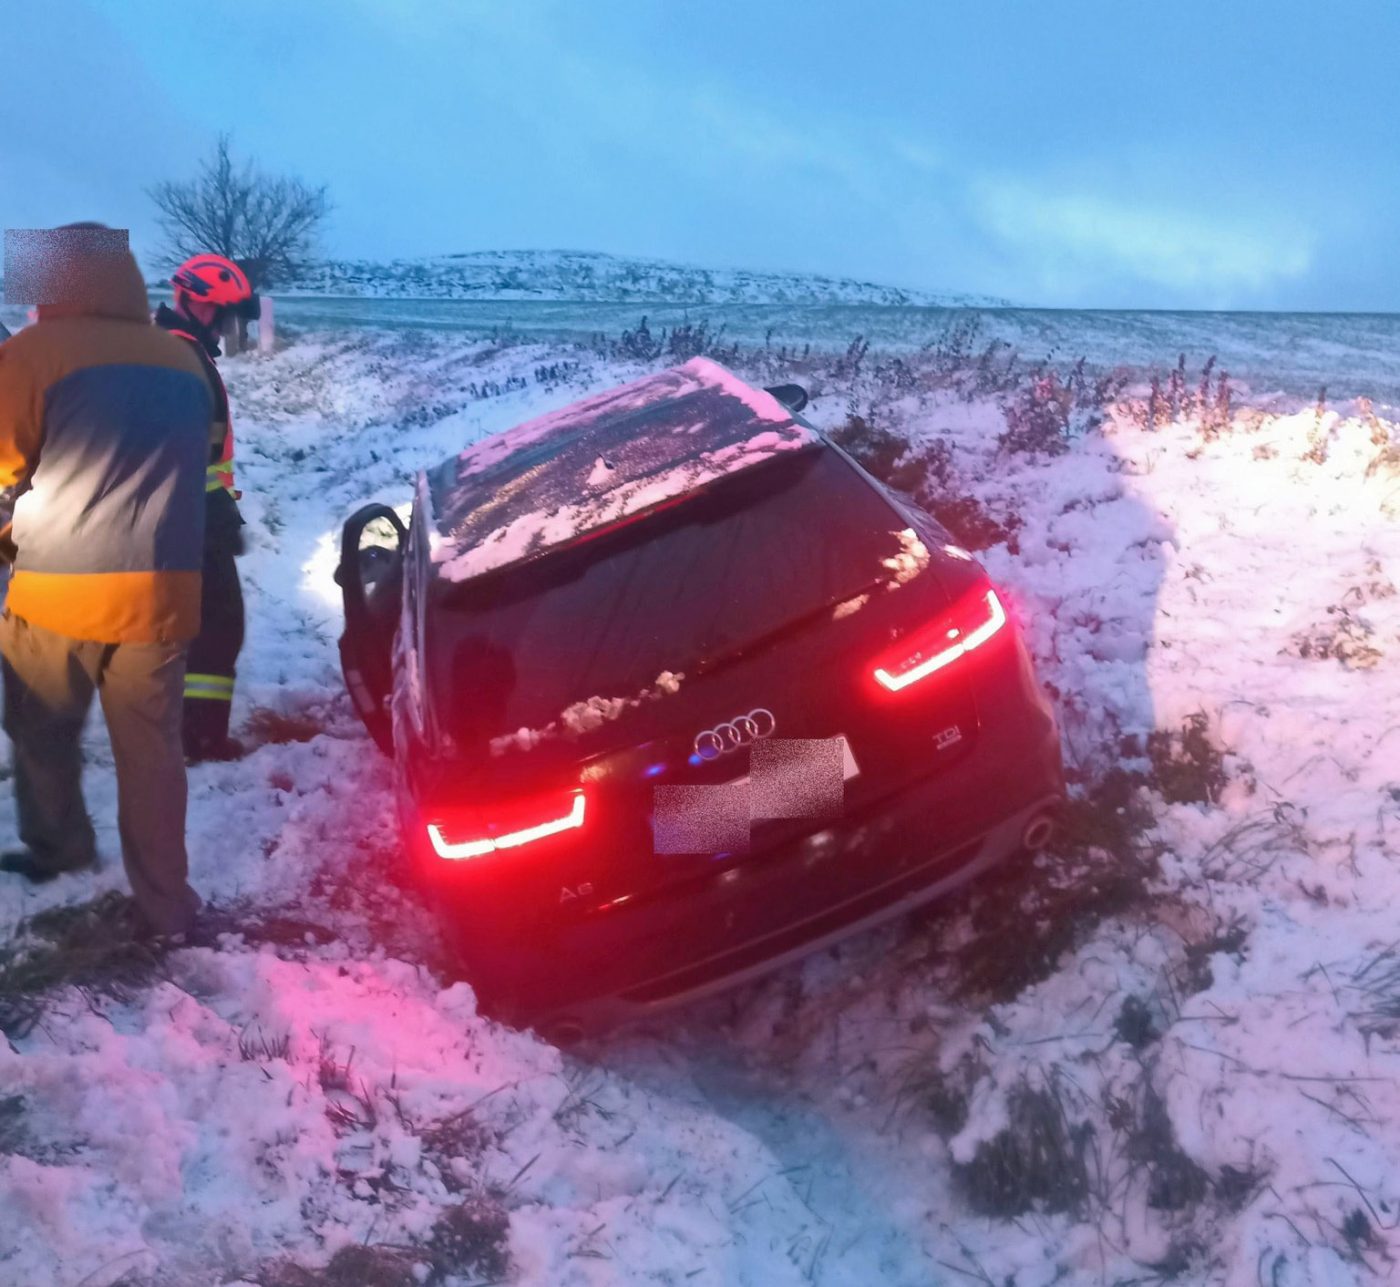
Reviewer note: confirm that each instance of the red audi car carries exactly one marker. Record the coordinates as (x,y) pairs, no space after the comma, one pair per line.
(676,692)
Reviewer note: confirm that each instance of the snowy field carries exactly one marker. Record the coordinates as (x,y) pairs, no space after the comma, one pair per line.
(593,278)
(1353,354)
(1167,1051)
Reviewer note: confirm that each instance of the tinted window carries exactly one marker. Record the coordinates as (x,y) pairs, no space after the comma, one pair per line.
(692,584)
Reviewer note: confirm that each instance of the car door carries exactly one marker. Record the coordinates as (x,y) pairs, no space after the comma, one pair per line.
(370,576)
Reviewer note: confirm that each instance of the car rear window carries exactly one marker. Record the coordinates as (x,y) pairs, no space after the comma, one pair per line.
(602,628)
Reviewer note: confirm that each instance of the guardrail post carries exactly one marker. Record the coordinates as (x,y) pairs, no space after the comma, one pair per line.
(267,327)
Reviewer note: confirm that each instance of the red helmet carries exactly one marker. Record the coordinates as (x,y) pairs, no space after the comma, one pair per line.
(213,279)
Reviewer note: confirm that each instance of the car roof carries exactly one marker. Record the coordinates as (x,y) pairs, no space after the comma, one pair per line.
(610,457)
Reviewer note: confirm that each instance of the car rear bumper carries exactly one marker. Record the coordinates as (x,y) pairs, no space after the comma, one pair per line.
(600,971)
(913,886)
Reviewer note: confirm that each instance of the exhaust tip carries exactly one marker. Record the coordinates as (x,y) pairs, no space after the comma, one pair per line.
(1038,833)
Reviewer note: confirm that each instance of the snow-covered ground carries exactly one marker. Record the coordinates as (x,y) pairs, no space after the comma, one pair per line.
(1178,1058)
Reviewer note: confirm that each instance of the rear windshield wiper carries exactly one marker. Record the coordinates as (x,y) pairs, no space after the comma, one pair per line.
(767,638)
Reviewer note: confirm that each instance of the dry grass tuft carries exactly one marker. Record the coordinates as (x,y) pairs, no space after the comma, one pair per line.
(459,1137)
(256,1047)
(1039,1162)
(13,1136)
(468,1241)
(1346,638)
(472,1238)
(379,1266)
(1187,766)
(1174,1181)
(891,458)
(969,523)
(89,946)
(925,473)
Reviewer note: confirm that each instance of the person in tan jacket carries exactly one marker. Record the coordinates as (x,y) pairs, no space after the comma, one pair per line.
(104,437)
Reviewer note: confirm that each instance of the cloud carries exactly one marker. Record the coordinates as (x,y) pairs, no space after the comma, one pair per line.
(1085,234)
(85,123)
(446,126)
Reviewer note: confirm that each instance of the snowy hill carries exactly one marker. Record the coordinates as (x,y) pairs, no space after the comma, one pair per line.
(1169,1050)
(593,277)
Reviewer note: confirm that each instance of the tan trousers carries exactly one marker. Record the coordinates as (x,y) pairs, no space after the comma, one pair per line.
(49,681)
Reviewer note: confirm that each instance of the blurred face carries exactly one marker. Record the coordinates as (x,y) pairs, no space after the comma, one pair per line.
(201,310)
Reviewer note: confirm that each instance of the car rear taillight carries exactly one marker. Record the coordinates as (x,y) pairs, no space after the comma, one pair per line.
(974,619)
(469,835)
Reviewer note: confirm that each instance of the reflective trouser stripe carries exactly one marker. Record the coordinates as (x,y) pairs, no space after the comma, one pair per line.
(217,476)
(213,688)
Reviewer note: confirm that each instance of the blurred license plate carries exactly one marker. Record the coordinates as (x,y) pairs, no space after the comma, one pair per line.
(849,768)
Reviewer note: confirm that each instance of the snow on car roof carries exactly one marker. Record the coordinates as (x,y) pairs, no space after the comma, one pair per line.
(607,458)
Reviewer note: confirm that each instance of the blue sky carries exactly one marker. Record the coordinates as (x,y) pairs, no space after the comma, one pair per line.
(1061,152)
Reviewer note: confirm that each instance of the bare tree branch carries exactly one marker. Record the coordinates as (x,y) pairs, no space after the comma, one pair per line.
(268,224)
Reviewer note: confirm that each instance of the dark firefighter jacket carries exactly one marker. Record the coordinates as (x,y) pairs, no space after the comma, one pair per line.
(225,524)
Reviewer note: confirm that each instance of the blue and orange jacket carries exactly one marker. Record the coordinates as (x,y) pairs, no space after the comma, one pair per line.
(105,426)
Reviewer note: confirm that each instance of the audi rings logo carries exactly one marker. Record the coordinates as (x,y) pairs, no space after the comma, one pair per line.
(744,730)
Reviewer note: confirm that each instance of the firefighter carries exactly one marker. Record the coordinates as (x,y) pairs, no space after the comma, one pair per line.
(208,288)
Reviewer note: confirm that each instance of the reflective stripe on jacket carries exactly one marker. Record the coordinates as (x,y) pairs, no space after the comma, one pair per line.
(220,473)
(214,688)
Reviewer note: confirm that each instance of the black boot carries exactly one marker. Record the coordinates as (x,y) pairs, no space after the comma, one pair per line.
(204,731)
(24,862)
(223,751)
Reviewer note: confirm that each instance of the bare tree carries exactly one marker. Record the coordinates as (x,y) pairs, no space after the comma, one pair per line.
(265,223)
